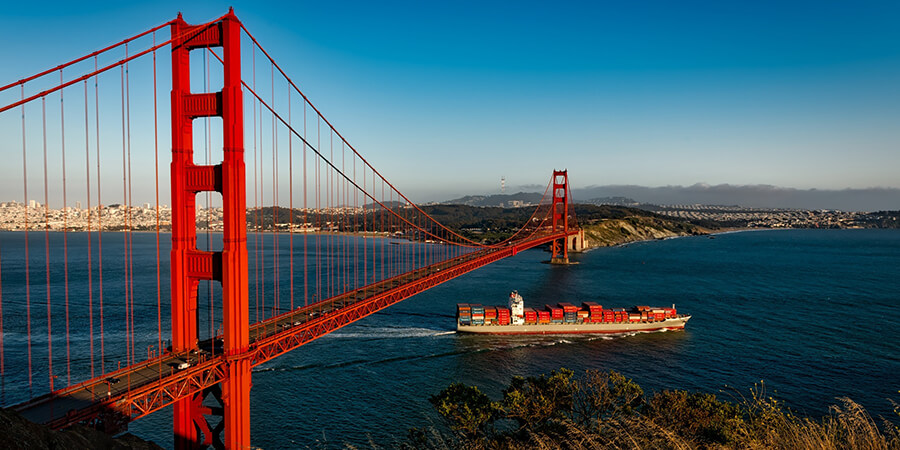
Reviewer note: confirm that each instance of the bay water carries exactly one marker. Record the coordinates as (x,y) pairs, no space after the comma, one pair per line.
(814,314)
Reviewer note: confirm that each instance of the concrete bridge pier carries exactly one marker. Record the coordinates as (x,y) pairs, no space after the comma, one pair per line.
(574,243)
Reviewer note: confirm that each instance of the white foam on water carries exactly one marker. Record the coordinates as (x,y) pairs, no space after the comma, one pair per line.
(390,333)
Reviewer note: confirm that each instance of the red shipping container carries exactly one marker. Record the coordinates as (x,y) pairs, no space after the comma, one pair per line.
(567,307)
(555,313)
(592,306)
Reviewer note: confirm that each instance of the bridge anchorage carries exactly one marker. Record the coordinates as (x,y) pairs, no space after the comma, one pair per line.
(337,241)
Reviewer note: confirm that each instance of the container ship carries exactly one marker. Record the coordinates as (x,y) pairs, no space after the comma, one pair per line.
(564,318)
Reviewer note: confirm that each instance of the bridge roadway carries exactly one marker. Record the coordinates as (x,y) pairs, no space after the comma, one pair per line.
(109,402)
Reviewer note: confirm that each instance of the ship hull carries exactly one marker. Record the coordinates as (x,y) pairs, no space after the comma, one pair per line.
(674,323)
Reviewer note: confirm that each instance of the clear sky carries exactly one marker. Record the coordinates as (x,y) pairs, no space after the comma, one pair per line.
(444,98)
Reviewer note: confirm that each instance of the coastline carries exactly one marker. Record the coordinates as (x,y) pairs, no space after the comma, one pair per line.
(616,232)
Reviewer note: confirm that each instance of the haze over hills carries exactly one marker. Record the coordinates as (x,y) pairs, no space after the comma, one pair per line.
(751,196)
(757,196)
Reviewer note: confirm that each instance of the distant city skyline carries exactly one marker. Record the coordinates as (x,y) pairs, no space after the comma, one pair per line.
(444,99)
(749,196)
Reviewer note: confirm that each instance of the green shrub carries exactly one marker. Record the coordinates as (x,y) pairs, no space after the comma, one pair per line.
(701,417)
(534,402)
(466,410)
(608,410)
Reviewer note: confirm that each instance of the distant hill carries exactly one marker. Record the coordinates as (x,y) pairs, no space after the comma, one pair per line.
(751,196)
(501,200)
(531,198)
(617,201)
(605,224)
(747,196)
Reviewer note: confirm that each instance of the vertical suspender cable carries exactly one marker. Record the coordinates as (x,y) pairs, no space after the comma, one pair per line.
(262,202)
(255,194)
(305,217)
(156,188)
(318,295)
(125,200)
(62,126)
(99,220)
(90,262)
(27,256)
(390,233)
(343,206)
(409,248)
(356,238)
(365,228)
(329,175)
(47,245)
(275,249)
(291,200)
(129,230)
(159,348)
(374,265)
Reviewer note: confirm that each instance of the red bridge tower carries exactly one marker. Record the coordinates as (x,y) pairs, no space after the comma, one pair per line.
(560,216)
(190,265)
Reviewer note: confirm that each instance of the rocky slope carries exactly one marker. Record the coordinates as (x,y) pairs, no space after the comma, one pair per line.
(609,232)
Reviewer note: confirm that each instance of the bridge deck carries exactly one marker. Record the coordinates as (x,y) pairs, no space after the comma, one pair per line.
(137,390)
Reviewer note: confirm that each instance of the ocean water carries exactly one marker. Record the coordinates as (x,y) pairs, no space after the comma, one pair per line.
(815,314)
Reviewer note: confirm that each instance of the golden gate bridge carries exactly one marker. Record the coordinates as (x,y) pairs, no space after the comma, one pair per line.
(311,238)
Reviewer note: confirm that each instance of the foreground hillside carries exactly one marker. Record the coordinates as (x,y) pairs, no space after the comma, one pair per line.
(20,434)
(605,410)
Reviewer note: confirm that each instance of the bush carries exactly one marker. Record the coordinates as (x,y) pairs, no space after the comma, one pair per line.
(700,417)
(466,409)
(608,410)
(536,402)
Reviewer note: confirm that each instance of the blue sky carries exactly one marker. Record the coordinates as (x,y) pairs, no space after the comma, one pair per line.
(444,98)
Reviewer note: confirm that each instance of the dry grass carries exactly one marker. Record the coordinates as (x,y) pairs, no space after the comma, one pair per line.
(675,420)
